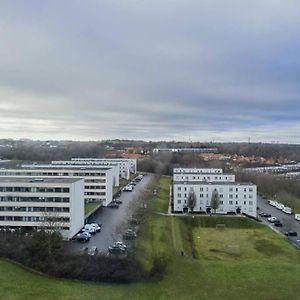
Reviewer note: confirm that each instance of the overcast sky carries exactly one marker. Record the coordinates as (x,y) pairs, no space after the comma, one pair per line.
(156,69)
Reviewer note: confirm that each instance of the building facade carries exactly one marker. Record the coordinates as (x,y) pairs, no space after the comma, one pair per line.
(98,182)
(83,164)
(127,165)
(233,197)
(49,203)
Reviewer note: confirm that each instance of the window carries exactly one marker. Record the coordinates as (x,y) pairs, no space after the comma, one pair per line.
(179,188)
(179,201)
(230,202)
(179,195)
(230,189)
(230,196)
(250,202)
(250,189)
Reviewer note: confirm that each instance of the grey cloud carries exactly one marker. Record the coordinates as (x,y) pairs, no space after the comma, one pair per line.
(149,69)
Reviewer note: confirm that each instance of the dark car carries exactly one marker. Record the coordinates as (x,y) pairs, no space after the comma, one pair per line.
(115,249)
(82,238)
(264,215)
(113,205)
(291,233)
(277,224)
(118,201)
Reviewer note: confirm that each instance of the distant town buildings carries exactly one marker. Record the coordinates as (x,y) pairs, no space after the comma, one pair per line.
(202,184)
(186,150)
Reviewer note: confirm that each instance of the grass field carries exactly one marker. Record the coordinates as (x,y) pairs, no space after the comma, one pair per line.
(265,267)
(88,207)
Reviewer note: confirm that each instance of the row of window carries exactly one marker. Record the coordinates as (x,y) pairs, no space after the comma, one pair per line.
(34,199)
(250,196)
(31,219)
(82,174)
(34,209)
(94,187)
(95,180)
(22,189)
(221,202)
(205,178)
(94,193)
(221,189)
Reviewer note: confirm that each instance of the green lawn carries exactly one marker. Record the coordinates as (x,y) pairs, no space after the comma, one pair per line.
(163,194)
(88,207)
(265,267)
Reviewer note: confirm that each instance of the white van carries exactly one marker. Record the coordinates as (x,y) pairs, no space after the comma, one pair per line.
(287,210)
(297,217)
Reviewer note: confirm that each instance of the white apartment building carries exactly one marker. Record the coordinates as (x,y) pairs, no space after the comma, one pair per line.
(127,165)
(197,171)
(83,164)
(29,202)
(98,182)
(208,177)
(233,197)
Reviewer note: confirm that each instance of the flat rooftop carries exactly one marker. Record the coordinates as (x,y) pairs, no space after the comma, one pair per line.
(19,179)
(211,183)
(65,167)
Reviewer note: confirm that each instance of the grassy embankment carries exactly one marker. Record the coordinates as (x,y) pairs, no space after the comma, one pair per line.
(244,261)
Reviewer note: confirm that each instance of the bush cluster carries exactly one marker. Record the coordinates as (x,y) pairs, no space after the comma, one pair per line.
(47,253)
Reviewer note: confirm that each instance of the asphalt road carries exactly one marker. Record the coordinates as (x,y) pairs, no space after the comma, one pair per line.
(289,222)
(113,221)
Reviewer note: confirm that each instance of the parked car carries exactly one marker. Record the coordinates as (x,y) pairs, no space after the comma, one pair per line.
(113,204)
(297,217)
(85,233)
(265,215)
(118,201)
(127,188)
(121,245)
(272,219)
(129,235)
(93,251)
(95,226)
(291,233)
(90,230)
(278,224)
(82,238)
(114,249)
(287,210)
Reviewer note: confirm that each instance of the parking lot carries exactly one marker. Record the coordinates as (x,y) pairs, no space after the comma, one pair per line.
(289,222)
(113,221)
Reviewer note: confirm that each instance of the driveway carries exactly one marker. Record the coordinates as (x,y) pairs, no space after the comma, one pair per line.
(289,222)
(113,220)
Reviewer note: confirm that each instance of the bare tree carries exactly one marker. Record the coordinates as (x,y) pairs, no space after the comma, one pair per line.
(191,201)
(215,201)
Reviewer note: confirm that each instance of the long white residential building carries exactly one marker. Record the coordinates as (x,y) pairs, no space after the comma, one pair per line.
(84,164)
(98,182)
(233,197)
(127,165)
(33,202)
(197,171)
